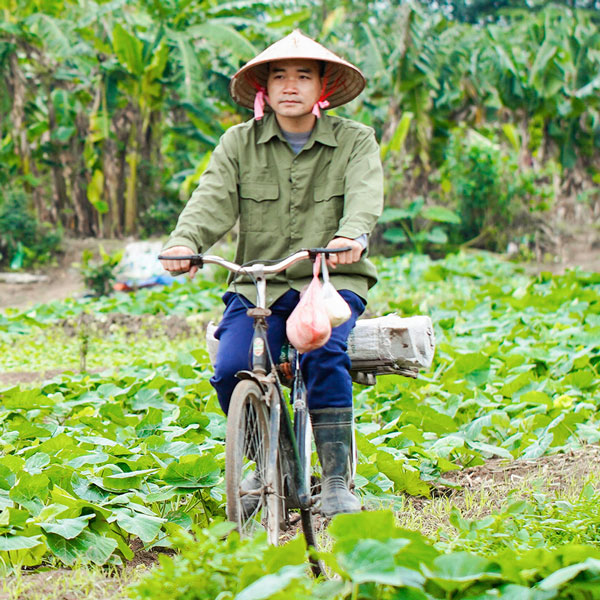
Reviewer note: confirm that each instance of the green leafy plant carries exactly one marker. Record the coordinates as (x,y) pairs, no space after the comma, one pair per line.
(136,443)
(24,241)
(419,227)
(491,192)
(99,275)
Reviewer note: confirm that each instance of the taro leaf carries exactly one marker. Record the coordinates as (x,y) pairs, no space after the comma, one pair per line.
(30,491)
(7,478)
(267,586)
(14,518)
(125,481)
(110,390)
(349,530)
(86,490)
(67,528)
(459,570)
(490,449)
(192,472)
(373,561)
(18,542)
(182,519)
(566,574)
(177,449)
(146,399)
(276,557)
(57,443)
(150,423)
(395,235)
(93,458)
(441,214)
(187,372)
(436,236)
(404,479)
(144,526)
(538,448)
(36,462)
(392,214)
(165,492)
(26,400)
(86,547)
(515,592)
(188,415)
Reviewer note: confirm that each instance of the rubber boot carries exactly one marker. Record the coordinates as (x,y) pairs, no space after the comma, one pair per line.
(332,428)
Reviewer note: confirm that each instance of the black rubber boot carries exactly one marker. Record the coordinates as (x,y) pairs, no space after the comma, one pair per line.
(332,428)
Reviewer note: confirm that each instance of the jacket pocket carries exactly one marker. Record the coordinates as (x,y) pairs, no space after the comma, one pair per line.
(329,205)
(256,206)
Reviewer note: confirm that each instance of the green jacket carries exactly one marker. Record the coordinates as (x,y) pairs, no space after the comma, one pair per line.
(284,202)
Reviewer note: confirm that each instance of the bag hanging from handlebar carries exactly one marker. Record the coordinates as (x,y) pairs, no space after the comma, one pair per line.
(308,326)
(336,307)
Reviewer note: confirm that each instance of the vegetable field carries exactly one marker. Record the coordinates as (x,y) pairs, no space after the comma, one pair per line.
(112,439)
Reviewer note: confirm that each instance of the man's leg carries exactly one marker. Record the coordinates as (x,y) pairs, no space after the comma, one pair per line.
(326,372)
(235,333)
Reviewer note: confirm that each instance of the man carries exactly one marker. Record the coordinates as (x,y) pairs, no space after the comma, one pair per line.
(295,179)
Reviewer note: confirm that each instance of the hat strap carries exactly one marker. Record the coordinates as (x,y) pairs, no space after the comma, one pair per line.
(322,102)
(260,97)
(259,103)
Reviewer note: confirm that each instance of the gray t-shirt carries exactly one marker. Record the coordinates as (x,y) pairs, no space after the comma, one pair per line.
(296,140)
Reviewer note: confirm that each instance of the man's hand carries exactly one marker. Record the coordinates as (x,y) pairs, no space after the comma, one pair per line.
(344,258)
(179,265)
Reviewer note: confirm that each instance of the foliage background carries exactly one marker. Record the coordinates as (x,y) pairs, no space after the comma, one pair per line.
(109,110)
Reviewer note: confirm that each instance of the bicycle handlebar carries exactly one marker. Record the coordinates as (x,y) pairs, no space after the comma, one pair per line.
(201,259)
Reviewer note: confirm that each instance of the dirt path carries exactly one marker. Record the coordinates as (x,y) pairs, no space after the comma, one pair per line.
(62,280)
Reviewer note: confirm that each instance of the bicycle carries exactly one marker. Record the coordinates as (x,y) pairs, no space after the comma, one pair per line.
(262,440)
(264,444)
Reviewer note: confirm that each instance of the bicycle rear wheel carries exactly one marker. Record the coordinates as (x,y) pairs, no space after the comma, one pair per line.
(253,501)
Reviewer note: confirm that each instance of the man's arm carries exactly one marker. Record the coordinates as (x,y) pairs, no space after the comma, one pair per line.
(211,211)
(363,199)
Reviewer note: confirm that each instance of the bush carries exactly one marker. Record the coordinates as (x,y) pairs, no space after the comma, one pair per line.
(24,241)
(99,276)
(493,194)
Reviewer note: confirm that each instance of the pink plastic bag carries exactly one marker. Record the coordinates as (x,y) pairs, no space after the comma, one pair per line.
(308,326)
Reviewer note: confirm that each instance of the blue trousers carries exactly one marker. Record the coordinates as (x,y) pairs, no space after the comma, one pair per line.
(326,370)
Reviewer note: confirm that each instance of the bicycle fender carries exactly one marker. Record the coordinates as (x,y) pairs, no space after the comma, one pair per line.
(260,380)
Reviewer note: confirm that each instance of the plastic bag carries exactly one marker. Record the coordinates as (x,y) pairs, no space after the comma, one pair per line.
(308,326)
(337,308)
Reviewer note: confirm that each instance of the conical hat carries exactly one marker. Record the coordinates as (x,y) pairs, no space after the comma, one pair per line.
(343,78)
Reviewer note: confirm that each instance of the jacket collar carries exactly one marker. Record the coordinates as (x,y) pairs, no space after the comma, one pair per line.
(322,132)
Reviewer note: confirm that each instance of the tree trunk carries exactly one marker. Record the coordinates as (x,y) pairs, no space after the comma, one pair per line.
(61,201)
(86,215)
(133,160)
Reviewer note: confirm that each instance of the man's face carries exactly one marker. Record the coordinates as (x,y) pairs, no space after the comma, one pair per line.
(293,87)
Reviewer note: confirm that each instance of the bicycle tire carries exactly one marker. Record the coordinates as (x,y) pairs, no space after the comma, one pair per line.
(247,445)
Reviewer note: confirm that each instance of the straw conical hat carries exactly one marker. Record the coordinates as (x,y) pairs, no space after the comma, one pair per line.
(347,79)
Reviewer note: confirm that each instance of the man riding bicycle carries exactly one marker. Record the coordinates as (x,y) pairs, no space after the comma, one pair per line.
(294,177)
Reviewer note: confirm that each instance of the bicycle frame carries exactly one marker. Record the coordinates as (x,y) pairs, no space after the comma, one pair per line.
(281,427)
(289,435)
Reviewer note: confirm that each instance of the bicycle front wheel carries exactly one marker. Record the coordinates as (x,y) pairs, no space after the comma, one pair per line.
(253,496)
